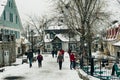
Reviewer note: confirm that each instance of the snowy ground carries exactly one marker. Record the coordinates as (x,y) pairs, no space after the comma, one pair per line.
(49,70)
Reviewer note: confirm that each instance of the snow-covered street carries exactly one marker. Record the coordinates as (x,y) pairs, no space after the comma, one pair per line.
(48,71)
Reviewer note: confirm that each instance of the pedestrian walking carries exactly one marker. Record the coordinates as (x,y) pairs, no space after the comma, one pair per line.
(40,59)
(69,51)
(72,60)
(81,61)
(62,51)
(30,57)
(60,60)
(58,52)
(53,52)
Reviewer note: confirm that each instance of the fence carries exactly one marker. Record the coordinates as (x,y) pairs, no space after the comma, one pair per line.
(104,69)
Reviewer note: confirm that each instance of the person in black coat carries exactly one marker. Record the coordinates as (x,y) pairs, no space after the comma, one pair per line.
(53,52)
(60,60)
(30,57)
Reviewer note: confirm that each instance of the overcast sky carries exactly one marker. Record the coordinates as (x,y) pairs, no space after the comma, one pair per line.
(34,7)
(45,7)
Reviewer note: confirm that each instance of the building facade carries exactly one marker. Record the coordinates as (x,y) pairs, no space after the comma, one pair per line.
(61,39)
(112,39)
(10,23)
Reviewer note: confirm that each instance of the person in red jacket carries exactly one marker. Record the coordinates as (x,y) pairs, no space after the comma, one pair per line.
(72,61)
(62,51)
(39,58)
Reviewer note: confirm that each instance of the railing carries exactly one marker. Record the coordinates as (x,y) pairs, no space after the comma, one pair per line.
(101,68)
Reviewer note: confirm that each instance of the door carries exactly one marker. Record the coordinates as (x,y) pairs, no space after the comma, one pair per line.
(6,57)
(58,46)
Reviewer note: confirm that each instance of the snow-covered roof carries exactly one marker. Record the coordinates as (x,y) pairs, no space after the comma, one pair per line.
(58,27)
(2,6)
(46,39)
(117,43)
(37,34)
(109,39)
(25,41)
(62,37)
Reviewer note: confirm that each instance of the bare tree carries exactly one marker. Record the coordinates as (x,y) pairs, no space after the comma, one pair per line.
(40,24)
(83,16)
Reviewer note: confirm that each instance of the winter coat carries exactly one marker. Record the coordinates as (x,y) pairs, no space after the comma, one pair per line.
(40,57)
(60,58)
(69,51)
(53,52)
(72,57)
(62,51)
(29,55)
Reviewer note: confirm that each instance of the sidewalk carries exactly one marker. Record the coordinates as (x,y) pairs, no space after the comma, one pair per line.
(48,71)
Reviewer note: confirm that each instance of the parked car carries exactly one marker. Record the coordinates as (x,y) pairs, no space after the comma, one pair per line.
(25,59)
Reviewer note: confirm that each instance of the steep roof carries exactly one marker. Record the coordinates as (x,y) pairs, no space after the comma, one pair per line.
(57,27)
(62,37)
(2,6)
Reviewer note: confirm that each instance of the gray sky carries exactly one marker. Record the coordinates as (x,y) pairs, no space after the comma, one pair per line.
(45,7)
(34,7)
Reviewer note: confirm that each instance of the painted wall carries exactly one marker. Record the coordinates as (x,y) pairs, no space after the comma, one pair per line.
(10,21)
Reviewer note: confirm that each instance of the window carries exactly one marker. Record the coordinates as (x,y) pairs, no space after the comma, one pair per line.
(118,54)
(9,3)
(19,49)
(51,36)
(4,15)
(15,34)
(11,17)
(0,37)
(16,19)
(18,35)
(48,46)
